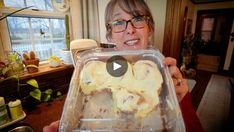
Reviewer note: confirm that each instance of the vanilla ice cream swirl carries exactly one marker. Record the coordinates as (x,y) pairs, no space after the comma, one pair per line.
(137,91)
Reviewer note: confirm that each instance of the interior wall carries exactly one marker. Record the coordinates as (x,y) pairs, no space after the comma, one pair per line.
(101,9)
(158,10)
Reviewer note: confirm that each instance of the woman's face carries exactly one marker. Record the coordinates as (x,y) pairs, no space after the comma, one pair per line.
(131,38)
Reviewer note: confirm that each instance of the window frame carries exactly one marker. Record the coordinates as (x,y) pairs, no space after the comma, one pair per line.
(4,32)
(212,30)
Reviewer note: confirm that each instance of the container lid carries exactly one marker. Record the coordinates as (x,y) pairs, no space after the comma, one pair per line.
(129,90)
(14,103)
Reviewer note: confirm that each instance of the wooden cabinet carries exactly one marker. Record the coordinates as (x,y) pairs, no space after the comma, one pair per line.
(57,79)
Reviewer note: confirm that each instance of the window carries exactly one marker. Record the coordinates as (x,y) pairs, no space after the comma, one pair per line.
(37,4)
(207,28)
(45,34)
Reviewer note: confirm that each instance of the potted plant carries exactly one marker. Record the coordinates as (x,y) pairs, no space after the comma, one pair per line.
(54,61)
(34,94)
(2,68)
(67,32)
(192,45)
(66,55)
(31,62)
(13,65)
(28,92)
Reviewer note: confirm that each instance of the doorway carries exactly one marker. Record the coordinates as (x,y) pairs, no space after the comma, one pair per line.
(214,27)
(229,62)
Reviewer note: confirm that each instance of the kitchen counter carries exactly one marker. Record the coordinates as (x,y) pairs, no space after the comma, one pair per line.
(41,115)
(44,114)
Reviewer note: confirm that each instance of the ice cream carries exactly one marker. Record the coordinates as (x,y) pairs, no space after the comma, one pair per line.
(137,91)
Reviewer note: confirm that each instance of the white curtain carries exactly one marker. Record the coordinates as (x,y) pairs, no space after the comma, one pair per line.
(84,19)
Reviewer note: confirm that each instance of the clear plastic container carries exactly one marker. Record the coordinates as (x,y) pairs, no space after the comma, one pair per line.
(127,103)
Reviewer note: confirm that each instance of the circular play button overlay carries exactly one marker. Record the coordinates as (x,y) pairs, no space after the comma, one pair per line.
(117,66)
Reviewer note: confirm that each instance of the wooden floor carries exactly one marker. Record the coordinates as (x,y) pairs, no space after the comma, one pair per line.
(202,78)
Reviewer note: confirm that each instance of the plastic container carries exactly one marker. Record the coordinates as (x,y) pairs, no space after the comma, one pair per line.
(16,109)
(136,101)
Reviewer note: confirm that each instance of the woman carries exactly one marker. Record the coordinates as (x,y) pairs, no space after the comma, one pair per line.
(130,25)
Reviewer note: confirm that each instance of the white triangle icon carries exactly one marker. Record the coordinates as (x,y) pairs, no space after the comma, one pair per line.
(116,66)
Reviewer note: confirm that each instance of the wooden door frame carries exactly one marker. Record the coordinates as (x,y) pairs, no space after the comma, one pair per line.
(174,24)
(231,68)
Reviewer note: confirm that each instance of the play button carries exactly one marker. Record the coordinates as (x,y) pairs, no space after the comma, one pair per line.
(116,66)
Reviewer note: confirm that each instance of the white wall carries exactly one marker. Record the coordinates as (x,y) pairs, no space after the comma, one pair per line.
(158,10)
(101,9)
(75,23)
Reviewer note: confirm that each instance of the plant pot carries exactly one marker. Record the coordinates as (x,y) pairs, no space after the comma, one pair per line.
(54,63)
(66,56)
(30,103)
(31,65)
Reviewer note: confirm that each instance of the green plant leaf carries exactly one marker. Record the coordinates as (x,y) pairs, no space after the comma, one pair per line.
(49,91)
(33,83)
(5,70)
(59,95)
(47,97)
(36,94)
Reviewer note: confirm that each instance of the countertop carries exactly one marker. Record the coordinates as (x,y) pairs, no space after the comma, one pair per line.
(41,115)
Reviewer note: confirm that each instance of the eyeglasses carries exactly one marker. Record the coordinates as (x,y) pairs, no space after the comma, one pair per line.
(138,22)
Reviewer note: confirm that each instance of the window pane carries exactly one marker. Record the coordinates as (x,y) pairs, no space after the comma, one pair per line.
(58,32)
(48,5)
(41,32)
(40,4)
(58,28)
(14,3)
(46,36)
(19,33)
(208,24)
(37,4)
(19,28)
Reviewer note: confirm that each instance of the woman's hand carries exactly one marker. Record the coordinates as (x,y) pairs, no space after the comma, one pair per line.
(181,86)
(53,127)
